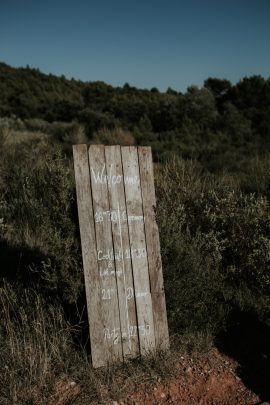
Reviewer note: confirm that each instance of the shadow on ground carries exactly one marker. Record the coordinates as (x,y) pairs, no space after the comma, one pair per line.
(247,340)
(15,261)
(15,267)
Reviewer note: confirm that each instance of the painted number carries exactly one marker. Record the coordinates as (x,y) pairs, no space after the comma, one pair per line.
(144,330)
(106,294)
(112,335)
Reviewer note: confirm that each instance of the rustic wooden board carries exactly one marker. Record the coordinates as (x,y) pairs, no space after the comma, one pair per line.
(124,275)
(105,254)
(153,247)
(121,253)
(88,243)
(138,249)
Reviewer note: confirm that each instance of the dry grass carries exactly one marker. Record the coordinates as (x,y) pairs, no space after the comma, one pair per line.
(36,342)
(41,364)
(12,137)
(116,136)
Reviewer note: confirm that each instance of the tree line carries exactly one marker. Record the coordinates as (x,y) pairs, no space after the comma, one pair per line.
(213,123)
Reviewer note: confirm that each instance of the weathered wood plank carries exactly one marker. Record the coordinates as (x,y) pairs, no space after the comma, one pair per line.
(121,251)
(105,254)
(138,249)
(88,244)
(151,228)
(153,247)
(124,276)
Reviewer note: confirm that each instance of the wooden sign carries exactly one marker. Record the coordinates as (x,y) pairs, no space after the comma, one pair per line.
(121,252)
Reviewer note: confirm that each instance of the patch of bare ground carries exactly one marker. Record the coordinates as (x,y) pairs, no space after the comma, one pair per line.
(202,379)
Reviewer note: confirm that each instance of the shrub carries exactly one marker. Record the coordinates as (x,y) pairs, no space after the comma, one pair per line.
(215,247)
(115,136)
(193,286)
(256,176)
(38,210)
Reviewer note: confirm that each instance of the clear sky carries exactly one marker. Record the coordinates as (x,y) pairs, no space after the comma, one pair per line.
(146,43)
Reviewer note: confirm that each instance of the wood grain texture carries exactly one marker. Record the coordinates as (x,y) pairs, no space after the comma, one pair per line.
(105,255)
(88,244)
(138,249)
(124,275)
(121,251)
(153,247)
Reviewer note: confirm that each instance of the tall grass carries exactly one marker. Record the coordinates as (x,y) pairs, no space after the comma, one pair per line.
(36,346)
(40,363)
(116,136)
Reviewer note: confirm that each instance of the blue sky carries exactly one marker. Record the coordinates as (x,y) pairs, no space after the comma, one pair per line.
(146,43)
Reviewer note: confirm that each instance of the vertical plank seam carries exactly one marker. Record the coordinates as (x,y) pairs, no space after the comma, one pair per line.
(114,260)
(131,262)
(143,202)
(95,230)
(142,208)
(116,278)
(146,245)
(97,267)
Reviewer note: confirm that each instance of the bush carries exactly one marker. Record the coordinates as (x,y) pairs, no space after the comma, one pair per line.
(256,176)
(116,136)
(193,286)
(41,243)
(215,245)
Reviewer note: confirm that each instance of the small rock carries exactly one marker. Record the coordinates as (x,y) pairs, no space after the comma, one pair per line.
(188,370)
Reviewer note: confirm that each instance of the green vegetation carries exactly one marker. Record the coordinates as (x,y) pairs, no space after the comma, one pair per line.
(213,189)
(220,124)
(215,248)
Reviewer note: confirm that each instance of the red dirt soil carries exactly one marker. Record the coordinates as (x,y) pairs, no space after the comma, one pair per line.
(202,379)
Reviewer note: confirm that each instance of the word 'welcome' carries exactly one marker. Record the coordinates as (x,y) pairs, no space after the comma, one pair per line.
(101,177)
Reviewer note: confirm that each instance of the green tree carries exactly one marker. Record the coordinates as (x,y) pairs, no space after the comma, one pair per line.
(219,87)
